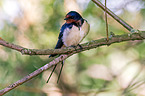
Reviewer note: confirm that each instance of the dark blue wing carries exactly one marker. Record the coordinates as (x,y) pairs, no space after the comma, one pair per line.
(59,42)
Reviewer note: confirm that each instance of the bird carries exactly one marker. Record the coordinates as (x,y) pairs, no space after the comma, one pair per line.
(72,32)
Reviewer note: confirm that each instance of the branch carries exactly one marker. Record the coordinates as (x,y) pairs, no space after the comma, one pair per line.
(34,74)
(70,51)
(118,19)
(66,50)
(106,20)
(85,46)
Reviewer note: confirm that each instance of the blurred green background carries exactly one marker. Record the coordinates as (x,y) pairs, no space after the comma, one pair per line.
(105,71)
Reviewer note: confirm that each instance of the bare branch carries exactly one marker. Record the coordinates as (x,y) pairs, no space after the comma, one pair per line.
(118,19)
(85,46)
(10,45)
(34,74)
(106,20)
(69,50)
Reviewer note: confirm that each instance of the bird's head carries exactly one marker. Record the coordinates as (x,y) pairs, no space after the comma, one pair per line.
(72,16)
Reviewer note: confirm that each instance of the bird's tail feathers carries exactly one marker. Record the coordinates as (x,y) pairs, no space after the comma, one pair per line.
(52,55)
(62,63)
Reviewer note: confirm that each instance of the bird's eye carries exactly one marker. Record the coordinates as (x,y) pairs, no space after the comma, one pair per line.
(71,17)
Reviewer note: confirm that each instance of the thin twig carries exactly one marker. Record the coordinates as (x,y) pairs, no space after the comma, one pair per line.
(133,79)
(118,19)
(135,87)
(106,20)
(132,85)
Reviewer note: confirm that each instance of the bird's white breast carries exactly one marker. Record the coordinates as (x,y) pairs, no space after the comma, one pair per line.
(75,35)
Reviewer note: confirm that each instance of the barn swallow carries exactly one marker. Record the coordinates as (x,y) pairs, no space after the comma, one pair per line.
(71,33)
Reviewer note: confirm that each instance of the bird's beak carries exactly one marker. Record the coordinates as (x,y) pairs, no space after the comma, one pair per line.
(65,18)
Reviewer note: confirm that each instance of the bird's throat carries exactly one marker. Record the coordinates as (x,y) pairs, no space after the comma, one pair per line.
(70,21)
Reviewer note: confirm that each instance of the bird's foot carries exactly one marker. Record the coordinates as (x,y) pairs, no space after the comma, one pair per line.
(80,46)
(75,47)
